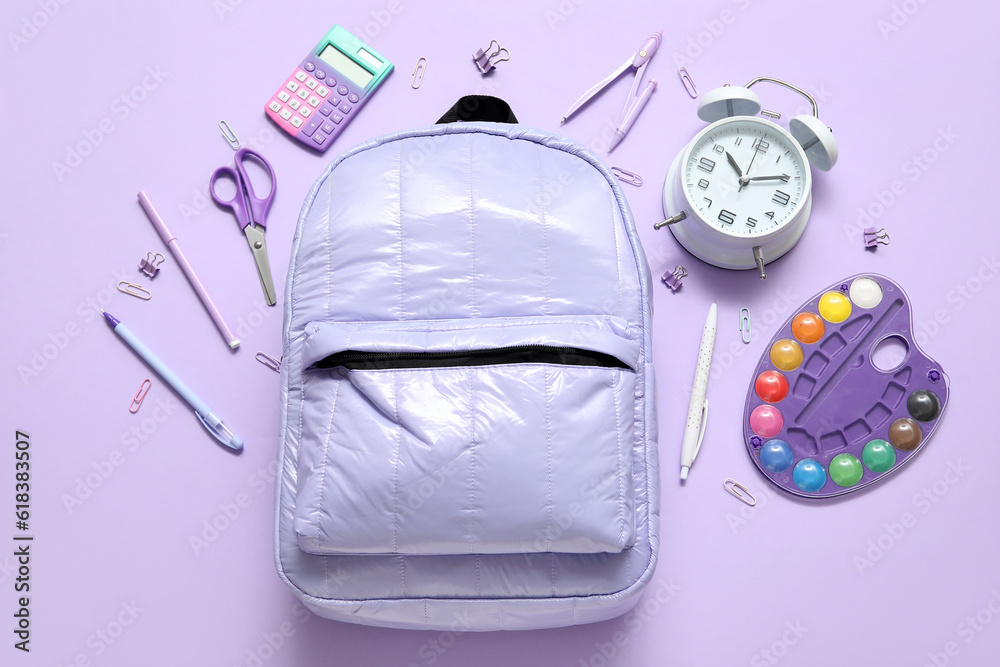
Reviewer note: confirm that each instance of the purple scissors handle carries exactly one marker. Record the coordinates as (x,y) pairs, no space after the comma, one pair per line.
(245,194)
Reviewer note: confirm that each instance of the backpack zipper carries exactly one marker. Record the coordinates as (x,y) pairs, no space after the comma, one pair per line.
(515,354)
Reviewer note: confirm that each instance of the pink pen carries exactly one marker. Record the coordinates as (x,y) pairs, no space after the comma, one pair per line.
(192,277)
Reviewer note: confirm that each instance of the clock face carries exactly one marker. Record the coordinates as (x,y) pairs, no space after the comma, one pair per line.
(746,177)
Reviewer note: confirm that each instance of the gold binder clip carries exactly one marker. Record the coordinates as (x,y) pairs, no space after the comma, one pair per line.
(740,491)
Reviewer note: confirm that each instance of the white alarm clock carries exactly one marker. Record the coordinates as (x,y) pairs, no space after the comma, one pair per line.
(739,195)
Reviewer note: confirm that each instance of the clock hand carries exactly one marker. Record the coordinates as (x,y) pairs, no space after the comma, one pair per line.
(732,161)
(739,172)
(746,179)
(783,178)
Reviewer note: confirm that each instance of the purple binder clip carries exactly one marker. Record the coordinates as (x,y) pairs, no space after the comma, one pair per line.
(151,265)
(672,279)
(486,61)
(873,237)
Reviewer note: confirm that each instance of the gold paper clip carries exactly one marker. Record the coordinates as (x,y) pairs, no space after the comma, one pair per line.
(626,176)
(135,290)
(738,490)
(745,333)
(139,396)
(688,82)
(418,72)
(230,136)
(269,361)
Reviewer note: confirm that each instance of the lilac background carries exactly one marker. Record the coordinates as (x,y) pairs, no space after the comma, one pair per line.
(893,79)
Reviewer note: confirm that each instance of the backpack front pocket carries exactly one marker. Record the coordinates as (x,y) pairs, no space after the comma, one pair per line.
(498,435)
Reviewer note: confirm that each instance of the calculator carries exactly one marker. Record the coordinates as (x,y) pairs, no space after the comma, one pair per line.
(328,89)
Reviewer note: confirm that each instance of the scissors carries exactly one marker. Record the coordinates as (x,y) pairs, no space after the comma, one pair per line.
(251,212)
(633,103)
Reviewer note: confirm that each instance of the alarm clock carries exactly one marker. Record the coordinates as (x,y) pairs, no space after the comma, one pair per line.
(738,196)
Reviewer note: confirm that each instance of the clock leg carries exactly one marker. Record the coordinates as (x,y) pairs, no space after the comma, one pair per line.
(758,257)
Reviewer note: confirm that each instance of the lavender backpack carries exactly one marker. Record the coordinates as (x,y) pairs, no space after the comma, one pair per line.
(468,420)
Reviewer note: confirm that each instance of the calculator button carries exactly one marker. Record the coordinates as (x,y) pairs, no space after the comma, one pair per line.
(301,76)
(328,128)
(314,101)
(322,92)
(325,109)
(342,90)
(294,104)
(321,74)
(311,126)
(335,101)
(319,137)
(303,93)
(286,114)
(336,118)
(292,86)
(353,98)
(308,67)
(330,81)
(345,108)
(311,84)
(283,96)
(305,111)
(296,121)
(274,106)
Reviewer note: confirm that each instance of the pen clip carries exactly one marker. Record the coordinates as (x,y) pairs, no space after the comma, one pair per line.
(218,433)
(701,430)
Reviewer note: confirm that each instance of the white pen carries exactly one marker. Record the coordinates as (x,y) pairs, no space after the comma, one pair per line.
(694,430)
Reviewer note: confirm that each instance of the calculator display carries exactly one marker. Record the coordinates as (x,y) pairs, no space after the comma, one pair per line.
(332,56)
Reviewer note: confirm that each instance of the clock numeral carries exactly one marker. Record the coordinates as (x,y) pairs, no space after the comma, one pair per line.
(739,140)
(709,202)
(706,164)
(718,149)
(780,198)
(770,214)
(727,217)
(703,184)
(760,145)
(751,222)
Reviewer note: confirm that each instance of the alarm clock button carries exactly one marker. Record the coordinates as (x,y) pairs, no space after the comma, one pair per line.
(816,140)
(728,101)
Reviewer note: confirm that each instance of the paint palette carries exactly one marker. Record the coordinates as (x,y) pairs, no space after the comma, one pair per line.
(842,396)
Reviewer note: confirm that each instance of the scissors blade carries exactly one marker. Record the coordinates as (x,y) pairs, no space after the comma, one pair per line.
(255,237)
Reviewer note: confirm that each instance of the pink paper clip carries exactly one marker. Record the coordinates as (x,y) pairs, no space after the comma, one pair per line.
(672,279)
(874,237)
(139,396)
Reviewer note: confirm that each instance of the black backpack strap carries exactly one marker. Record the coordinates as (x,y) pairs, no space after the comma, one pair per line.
(479,107)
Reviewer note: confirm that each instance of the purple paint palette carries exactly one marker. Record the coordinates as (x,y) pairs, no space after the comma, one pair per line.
(842,396)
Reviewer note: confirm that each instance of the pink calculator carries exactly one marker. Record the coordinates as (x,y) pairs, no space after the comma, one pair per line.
(328,88)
